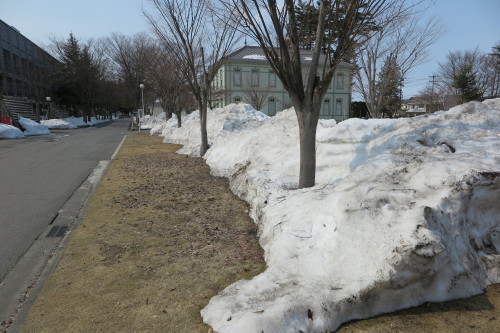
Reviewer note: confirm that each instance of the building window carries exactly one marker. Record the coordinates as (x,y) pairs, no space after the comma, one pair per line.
(6,61)
(326,107)
(272,79)
(237,99)
(19,88)
(339,107)
(340,81)
(271,106)
(10,86)
(255,78)
(17,64)
(237,77)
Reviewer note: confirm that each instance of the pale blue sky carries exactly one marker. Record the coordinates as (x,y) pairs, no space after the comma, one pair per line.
(469,24)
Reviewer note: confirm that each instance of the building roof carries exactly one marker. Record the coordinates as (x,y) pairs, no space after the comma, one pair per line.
(255,54)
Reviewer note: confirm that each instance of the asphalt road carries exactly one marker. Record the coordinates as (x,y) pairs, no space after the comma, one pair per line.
(39,174)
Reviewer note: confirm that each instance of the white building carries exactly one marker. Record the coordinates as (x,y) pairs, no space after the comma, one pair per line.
(246,76)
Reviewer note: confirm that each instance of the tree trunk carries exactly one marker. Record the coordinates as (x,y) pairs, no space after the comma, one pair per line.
(308,122)
(179,119)
(203,125)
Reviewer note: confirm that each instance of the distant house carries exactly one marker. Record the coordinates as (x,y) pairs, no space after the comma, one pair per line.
(246,76)
(414,106)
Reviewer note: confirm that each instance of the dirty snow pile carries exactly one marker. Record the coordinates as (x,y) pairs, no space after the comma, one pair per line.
(32,127)
(10,132)
(404,211)
(148,122)
(232,119)
(71,122)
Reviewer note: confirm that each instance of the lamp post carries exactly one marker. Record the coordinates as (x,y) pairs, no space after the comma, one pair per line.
(48,102)
(142,97)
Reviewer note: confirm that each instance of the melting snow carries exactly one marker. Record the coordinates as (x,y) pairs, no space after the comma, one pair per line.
(404,212)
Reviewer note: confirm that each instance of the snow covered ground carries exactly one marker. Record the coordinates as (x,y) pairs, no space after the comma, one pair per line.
(405,211)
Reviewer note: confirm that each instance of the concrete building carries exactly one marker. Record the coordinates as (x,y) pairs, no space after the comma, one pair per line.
(246,76)
(25,73)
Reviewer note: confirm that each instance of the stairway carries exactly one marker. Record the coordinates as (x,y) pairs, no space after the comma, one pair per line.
(19,107)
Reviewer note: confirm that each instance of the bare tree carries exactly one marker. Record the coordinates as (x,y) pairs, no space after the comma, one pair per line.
(342,26)
(483,67)
(133,57)
(200,40)
(169,84)
(406,39)
(256,96)
(432,95)
(489,79)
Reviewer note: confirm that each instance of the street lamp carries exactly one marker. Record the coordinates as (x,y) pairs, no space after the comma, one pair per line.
(142,97)
(48,102)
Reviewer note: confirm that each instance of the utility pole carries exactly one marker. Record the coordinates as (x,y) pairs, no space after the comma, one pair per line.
(433,81)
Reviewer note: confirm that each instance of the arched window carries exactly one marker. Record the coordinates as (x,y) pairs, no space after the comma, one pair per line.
(237,77)
(326,107)
(255,77)
(272,78)
(339,107)
(340,81)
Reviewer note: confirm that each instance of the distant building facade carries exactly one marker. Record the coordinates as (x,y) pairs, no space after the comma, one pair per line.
(25,68)
(246,76)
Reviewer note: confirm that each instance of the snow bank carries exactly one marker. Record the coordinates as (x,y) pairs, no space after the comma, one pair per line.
(231,119)
(10,132)
(148,122)
(71,122)
(58,123)
(32,127)
(404,212)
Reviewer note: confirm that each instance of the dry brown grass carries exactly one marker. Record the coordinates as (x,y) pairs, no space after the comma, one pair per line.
(478,314)
(160,237)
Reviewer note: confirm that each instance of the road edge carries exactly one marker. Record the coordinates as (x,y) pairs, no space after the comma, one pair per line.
(35,266)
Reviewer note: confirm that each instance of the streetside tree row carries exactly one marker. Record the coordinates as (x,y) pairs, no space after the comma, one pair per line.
(103,76)
(199,35)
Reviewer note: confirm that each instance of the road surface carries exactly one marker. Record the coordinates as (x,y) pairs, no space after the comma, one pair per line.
(39,174)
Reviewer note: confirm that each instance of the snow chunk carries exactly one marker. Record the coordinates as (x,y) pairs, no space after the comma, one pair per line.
(32,127)
(10,132)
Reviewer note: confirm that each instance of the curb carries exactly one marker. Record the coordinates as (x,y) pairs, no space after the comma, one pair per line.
(32,270)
